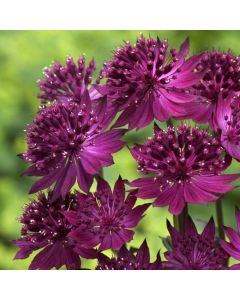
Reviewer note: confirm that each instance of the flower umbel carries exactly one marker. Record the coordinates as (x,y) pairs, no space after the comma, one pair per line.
(186,164)
(106,217)
(143,84)
(68,141)
(221,78)
(46,228)
(233,247)
(194,251)
(125,260)
(66,83)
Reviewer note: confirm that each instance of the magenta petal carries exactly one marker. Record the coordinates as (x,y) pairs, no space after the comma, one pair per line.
(143,255)
(85,239)
(194,194)
(121,237)
(84,179)
(103,188)
(148,187)
(235,253)
(119,190)
(177,204)
(132,219)
(90,163)
(106,243)
(233,236)
(235,267)
(65,181)
(142,116)
(125,117)
(56,256)
(84,252)
(44,182)
(190,227)
(160,109)
(209,230)
(165,197)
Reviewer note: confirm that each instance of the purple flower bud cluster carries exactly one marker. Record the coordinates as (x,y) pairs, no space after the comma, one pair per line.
(77,130)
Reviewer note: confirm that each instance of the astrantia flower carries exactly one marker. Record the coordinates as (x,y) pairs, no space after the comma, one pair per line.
(227,119)
(222,77)
(105,217)
(66,83)
(186,164)
(233,247)
(143,83)
(125,260)
(194,251)
(67,141)
(46,228)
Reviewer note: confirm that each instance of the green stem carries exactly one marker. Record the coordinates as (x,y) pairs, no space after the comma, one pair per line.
(180,220)
(220,222)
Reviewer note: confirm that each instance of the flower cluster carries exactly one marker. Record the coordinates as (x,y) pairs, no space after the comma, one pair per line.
(77,130)
(194,251)
(127,261)
(221,79)
(143,85)
(45,227)
(187,165)
(106,217)
(69,141)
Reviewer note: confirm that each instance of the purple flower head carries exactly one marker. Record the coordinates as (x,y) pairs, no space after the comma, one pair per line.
(144,84)
(194,251)
(222,77)
(125,260)
(105,217)
(186,164)
(233,247)
(227,119)
(68,141)
(46,228)
(66,83)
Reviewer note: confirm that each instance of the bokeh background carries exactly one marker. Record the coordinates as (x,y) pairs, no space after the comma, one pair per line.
(23,55)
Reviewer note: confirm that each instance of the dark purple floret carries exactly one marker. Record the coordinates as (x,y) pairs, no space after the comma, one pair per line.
(144,84)
(227,121)
(68,82)
(125,260)
(106,217)
(194,251)
(45,228)
(221,78)
(69,141)
(186,164)
(233,246)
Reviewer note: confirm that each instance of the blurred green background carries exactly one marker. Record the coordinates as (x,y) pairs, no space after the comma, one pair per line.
(23,55)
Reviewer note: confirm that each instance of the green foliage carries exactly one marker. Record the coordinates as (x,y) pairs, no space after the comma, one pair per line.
(23,54)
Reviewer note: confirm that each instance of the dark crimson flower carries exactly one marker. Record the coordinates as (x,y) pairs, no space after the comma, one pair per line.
(46,228)
(227,119)
(125,260)
(186,164)
(194,251)
(105,217)
(222,77)
(68,140)
(66,83)
(143,83)
(233,247)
